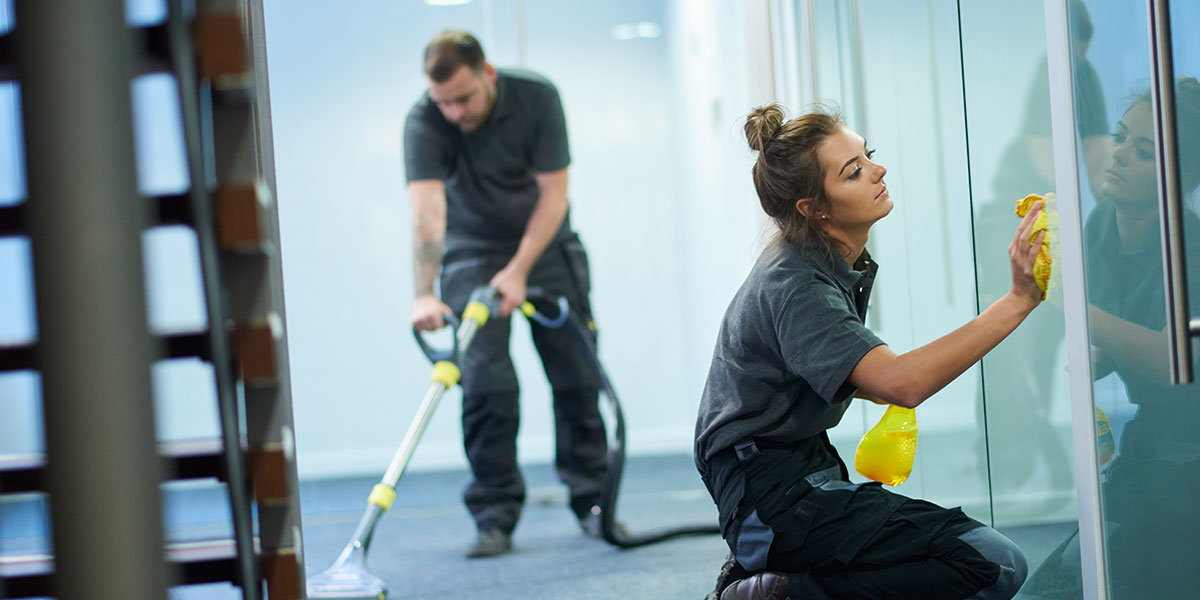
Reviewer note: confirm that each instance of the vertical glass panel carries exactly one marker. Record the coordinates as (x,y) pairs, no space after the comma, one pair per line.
(1150,451)
(1027,421)
(1028,428)
(899,87)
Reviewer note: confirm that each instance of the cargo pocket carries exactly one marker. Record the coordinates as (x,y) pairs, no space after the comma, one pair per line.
(795,523)
(577,263)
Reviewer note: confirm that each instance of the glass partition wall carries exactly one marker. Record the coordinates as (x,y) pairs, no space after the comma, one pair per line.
(955,98)
(1025,393)
(1134,227)
(1122,153)
(895,73)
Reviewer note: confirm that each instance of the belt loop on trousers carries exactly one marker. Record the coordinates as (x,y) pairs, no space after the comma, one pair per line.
(746,451)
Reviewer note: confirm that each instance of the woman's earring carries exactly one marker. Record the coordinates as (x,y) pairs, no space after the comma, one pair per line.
(824,216)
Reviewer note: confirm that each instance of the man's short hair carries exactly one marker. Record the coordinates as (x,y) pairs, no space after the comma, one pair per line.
(450,50)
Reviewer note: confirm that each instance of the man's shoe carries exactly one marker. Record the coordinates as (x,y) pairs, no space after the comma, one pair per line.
(731,571)
(491,542)
(765,585)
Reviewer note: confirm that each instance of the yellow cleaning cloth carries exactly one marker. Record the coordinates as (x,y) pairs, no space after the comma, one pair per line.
(1047,221)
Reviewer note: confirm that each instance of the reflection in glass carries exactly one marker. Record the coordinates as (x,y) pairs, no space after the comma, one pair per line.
(1149,488)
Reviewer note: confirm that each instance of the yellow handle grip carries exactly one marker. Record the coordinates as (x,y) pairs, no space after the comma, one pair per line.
(478,312)
(382,496)
(446,373)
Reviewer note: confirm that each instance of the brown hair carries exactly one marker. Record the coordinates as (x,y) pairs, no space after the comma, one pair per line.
(788,170)
(1187,128)
(450,50)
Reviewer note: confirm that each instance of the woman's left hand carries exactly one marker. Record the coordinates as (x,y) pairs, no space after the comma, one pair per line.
(1022,254)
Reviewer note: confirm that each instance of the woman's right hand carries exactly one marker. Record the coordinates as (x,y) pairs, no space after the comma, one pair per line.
(427,313)
(1022,255)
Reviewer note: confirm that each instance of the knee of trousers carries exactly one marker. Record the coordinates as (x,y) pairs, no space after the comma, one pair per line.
(487,369)
(1000,550)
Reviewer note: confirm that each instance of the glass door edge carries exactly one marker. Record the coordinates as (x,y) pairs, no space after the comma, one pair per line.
(1083,420)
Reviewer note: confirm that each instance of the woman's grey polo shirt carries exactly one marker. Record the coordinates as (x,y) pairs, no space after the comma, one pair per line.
(489,173)
(789,340)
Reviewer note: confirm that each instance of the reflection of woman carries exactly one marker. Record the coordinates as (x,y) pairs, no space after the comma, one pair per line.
(791,353)
(1151,521)
(1149,496)
(1124,251)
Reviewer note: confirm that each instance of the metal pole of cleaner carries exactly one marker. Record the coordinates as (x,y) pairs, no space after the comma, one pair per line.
(74,63)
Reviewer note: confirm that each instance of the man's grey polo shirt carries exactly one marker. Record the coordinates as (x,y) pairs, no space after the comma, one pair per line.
(789,340)
(489,173)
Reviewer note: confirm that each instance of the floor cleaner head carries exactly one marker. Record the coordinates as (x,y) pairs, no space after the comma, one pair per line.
(347,579)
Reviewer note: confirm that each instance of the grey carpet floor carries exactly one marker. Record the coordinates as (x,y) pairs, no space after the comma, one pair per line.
(417,548)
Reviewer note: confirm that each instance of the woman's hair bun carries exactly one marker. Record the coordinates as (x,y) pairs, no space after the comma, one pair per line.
(761,125)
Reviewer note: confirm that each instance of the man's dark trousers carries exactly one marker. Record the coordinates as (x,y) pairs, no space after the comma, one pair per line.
(491,408)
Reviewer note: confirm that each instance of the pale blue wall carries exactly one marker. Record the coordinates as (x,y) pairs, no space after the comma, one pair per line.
(342,81)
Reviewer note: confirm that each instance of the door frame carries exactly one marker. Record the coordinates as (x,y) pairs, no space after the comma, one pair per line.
(1079,362)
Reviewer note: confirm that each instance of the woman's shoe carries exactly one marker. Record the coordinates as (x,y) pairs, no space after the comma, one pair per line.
(765,585)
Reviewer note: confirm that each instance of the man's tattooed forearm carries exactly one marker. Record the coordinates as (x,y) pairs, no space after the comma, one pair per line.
(429,252)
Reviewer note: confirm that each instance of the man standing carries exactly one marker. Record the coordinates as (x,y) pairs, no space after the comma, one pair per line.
(486,158)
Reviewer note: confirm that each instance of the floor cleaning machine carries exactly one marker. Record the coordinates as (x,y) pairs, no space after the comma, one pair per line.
(348,578)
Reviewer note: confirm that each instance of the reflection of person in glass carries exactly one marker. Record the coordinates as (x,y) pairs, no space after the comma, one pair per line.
(791,354)
(1019,374)
(1151,521)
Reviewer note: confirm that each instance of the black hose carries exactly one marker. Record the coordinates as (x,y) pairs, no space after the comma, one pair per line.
(616,462)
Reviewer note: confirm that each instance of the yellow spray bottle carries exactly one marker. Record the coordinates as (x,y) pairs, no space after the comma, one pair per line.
(886,452)
(1105,445)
